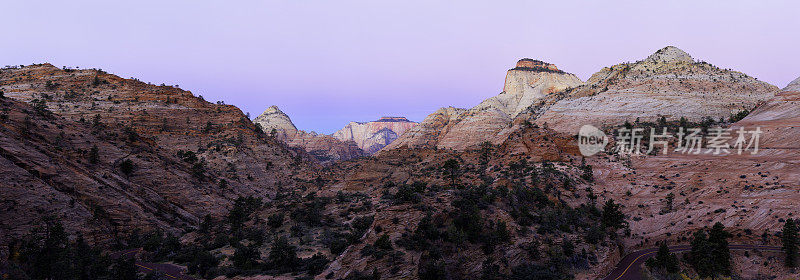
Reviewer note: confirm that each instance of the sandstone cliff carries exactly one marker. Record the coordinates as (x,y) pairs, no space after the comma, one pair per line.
(668,83)
(373,136)
(528,83)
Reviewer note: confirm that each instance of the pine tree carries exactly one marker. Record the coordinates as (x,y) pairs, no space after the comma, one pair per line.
(699,255)
(667,260)
(664,259)
(283,256)
(790,243)
(612,216)
(720,253)
(451,169)
(710,256)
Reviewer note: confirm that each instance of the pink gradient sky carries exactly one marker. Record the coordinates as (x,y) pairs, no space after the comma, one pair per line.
(326,63)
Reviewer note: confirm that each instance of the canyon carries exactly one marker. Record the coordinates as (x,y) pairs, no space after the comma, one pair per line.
(496,191)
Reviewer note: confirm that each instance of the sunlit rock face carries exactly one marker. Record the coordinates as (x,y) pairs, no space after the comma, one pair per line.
(668,83)
(373,136)
(528,83)
(274,119)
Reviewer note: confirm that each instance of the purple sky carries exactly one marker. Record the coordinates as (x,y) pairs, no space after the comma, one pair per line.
(326,63)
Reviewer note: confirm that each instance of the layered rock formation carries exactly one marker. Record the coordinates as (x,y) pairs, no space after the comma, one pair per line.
(105,155)
(793,86)
(668,83)
(778,119)
(751,194)
(325,148)
(430,131)
(373,136)
(530,82)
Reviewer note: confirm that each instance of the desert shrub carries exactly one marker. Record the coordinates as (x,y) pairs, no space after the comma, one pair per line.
(245,257)
(127,167)
(283,256)
(535,271)
(315,264)
(275,220)
(243,208)
(337,246)
(408,193)
(94,154)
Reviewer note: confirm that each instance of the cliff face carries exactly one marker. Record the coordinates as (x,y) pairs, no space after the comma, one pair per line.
(324,148)
(105,154)
(373,136)
(527,84)
(668,83)
(430,131)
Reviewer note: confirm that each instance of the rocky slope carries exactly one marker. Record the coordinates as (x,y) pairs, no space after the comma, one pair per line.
(530,82)
(668,83)
(325,148)
(373,136)
(750,194)
(778,118)
(106,155)
(396,189)
(430,131)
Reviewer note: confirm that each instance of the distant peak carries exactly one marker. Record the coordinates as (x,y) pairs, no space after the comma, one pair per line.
(392,119)
(273,110)
(528,64)
(273,117)
(670,54)
(793,86)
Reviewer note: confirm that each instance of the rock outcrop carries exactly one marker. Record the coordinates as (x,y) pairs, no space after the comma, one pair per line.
(324,148)
(528,83)
(793,86)
(273,119)
(668,83)
(373,136)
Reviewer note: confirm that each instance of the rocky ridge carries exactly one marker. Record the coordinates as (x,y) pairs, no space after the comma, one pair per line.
(668,83)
